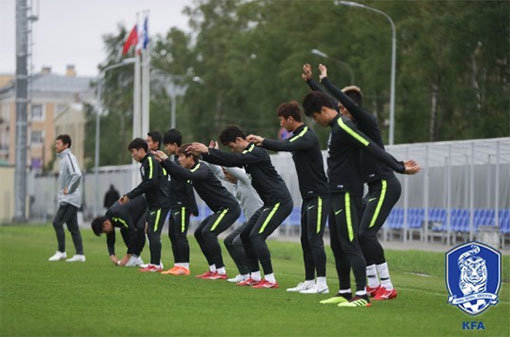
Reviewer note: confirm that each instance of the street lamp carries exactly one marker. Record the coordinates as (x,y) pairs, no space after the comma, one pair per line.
(100,81)
(326,56)
(393,61)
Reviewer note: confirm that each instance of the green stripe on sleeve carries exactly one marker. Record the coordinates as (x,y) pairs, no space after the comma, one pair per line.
(299,135)
(353,133)
(150,167)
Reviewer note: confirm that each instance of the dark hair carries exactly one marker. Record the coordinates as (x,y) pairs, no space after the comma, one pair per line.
(314,101)
(97,225)
(182,150)
(230,134)
(156,137)
(138,143)
(290,109)
(65,139)
(354,93)
(172,136)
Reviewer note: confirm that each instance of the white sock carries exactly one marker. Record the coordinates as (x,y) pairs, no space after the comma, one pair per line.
(321,282)
(221,271)
(345,291)
(256,275)
(309,282)
(373,281)
(384,275)
(185,265)
(212,268)
(270,278)
(361,293)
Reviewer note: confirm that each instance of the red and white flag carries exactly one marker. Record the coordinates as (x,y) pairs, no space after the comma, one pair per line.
(132,40)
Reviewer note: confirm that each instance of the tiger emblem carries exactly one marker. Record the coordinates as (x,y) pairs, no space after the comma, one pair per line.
(473,272)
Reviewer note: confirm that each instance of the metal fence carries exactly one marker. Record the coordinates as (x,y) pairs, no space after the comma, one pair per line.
(462,192)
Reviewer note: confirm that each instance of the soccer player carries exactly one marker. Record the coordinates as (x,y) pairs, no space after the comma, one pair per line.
(250,202)
(130,218)
(346,188)
(225,208)
(153,186)
(307,156)
(69,200)
(383,190)
(271,189)
(183,205)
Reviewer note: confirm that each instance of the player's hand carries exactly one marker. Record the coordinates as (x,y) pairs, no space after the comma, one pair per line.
(197,148)
(255,139)
(65,191)
(123,200)
(323,71)
(114,259)
(412,167)
(214,144)
(307,72)
(160,155)
(124,261)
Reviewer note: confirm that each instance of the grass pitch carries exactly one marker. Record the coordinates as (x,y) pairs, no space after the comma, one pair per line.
(39,298)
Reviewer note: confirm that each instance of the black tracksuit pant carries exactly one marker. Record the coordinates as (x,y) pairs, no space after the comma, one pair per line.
(314,213)
(236,249)
(178,224)
(381,197)
(259,227)
(344,212)
(208,231)
(155,221)
(67,214)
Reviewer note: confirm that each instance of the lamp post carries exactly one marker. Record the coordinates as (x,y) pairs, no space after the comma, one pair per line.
(100,81)
(326,56)
(393,61)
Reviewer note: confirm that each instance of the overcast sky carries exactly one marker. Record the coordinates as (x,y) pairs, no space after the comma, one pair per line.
(70,31)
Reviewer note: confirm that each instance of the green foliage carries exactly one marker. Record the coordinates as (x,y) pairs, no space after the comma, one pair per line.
(249,54)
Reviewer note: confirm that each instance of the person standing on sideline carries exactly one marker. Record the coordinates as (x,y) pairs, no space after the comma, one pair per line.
(69,200)
(111,196)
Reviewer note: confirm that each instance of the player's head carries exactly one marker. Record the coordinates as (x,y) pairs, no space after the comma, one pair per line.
(354,93)
(154,139)
(138,148)
(229,176)
(289,115)
(62,142)
(320,107)
(172,140)
(234,138)
(101,224)
(186,159)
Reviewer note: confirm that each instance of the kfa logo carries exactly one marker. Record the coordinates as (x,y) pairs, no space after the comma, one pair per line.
(473,277)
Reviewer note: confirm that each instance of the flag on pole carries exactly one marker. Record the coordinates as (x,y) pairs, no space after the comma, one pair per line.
(132,40)
(143,36)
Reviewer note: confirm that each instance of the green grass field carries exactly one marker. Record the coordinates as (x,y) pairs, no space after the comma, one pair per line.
(39,298)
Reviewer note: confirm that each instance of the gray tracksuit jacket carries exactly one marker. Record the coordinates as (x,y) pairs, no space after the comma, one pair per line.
(69,177)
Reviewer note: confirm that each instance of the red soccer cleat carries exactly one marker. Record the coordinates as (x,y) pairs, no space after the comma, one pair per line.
(217,276)
(205,275)
(372,291)
(248,282)
(265,284)
(151,269)
(384,294)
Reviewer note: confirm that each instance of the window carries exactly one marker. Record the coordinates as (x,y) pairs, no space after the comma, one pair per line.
(36,137)
(37,112)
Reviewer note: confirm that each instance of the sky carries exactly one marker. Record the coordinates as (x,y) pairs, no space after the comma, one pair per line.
(70,31)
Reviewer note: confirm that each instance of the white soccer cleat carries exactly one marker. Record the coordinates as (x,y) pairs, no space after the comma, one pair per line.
(132,262)
(237,279)
(301,286)
(139,261)
(77,258)
(315,290)
(58,256)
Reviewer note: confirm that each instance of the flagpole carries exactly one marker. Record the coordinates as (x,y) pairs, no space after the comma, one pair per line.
(145,76)
(136,109)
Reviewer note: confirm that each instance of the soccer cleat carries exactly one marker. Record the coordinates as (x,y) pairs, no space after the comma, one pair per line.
(151,268)
(206,274)
(301,286)
(139,261)
(237,279)
(263,284)
(372,291)
(77,258)
(315,290)
(248,282)
(336,299)
(357,301)
(216,276)
(176,270)
(384,294)
(58,256)
(134,261)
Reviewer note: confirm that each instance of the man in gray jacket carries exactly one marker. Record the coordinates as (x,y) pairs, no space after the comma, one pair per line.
(69,199)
